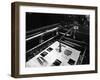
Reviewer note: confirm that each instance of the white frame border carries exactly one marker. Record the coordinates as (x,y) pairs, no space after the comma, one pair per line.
(23,70)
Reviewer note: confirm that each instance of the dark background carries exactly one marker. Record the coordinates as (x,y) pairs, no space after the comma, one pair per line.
(38,20)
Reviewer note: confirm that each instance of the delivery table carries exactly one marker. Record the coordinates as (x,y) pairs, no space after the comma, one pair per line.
(51,56)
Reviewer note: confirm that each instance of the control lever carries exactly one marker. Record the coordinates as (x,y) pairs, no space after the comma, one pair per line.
(42,61)
(59,47)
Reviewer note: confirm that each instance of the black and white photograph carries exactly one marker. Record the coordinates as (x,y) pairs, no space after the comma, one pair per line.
(57,39)
(51,39)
